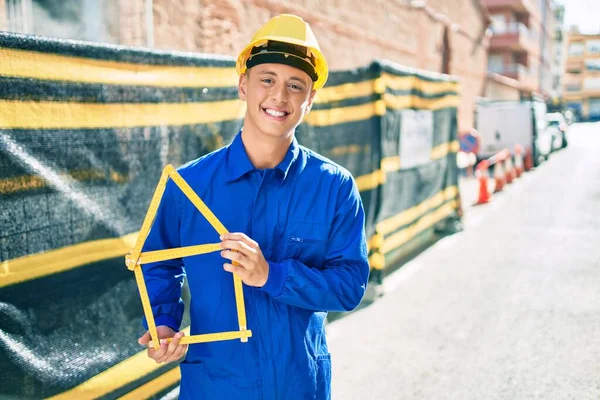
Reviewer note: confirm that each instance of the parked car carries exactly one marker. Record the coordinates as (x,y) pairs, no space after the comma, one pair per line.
(557,125)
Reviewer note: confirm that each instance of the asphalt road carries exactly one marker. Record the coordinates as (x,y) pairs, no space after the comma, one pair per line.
(507,309)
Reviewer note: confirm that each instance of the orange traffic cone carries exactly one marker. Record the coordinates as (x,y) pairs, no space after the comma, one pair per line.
(499,176)
(482,175)
(509,170)
(528,159)
(519,168)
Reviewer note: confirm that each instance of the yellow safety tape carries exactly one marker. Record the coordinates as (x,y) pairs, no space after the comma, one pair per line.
(377,261)
(345,91)
(133,260)
(330,94)
(121,374)
(370,181)
(439,151)
(413,82)
(70,115)
(154,386)
(391,224)
(398,239)
(349,149)
(412,101)
(390,164)
(36,65)
(64,115)
(341,115)
(35,266)
(443,149)
(28,182)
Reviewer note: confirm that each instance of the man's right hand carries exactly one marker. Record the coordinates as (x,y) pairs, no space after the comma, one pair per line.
(167,352)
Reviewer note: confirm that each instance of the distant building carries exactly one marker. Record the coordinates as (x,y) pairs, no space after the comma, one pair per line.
(559,50)
(521,47)
(581,85)
(436,35)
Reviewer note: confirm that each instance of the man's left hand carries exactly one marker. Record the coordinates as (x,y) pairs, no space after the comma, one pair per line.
(247,259)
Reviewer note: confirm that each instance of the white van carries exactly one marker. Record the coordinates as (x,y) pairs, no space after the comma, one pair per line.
(503,124)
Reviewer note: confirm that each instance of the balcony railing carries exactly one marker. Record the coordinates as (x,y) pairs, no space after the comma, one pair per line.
(512,27)
(515,36)
(510,69)
(517,5)
(527,78)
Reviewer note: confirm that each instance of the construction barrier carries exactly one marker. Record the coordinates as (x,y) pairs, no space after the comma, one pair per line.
(85,131)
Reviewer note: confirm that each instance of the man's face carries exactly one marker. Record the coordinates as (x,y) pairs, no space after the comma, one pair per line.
(278,96)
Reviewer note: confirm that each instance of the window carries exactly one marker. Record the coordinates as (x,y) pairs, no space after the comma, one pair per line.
(498,23)
(591,84)
(594,107)
(593,46)
(592,65)
(576,49)
(496,63)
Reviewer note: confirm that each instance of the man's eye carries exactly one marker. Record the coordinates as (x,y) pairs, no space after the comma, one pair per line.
(267,80)
(296,87)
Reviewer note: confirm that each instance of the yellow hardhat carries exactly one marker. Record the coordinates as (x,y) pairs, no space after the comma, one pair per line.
(289,29)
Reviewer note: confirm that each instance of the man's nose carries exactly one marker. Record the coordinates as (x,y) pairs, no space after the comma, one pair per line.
(280,94)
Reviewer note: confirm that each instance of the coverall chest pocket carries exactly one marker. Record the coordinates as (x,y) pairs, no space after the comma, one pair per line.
(306,242)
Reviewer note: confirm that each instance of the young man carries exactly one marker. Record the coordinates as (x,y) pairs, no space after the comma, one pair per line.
(299,242)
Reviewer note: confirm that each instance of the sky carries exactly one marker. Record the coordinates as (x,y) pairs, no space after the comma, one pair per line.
(584,13)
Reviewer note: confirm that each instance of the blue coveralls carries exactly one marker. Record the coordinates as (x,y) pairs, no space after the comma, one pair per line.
(307,216)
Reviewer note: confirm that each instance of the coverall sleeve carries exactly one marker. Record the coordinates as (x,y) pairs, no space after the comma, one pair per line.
(340,285)
(164,279)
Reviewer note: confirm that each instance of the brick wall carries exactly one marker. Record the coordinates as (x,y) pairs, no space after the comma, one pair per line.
(351,32)
(502,88)
(132,23)
(3,23)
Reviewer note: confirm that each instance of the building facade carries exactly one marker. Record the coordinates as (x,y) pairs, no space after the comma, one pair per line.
(581,86)
(435,35)
(558,53)
(522,42)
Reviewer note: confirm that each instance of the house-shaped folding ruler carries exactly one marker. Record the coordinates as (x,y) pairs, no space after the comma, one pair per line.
(136,259)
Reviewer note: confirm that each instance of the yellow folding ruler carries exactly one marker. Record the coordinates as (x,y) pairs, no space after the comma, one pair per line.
(135,259)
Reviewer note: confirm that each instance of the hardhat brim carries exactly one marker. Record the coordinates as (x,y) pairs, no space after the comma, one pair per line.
(321,67)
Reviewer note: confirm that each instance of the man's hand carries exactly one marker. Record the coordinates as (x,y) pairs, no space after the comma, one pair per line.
(167,352)
(248,261)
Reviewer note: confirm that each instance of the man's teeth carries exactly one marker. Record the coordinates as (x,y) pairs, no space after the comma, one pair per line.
(274,113)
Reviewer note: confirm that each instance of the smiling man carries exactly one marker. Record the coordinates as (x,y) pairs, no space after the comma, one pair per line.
(298,240)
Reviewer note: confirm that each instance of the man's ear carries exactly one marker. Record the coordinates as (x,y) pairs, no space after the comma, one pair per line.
(243,86)
(311,98)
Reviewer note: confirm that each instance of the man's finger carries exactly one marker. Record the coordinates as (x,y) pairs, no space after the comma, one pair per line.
(239,236)
(234,256)
(234,269)
(238,245)
(180,350)
(144,339)
(158,354)
(173,347)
